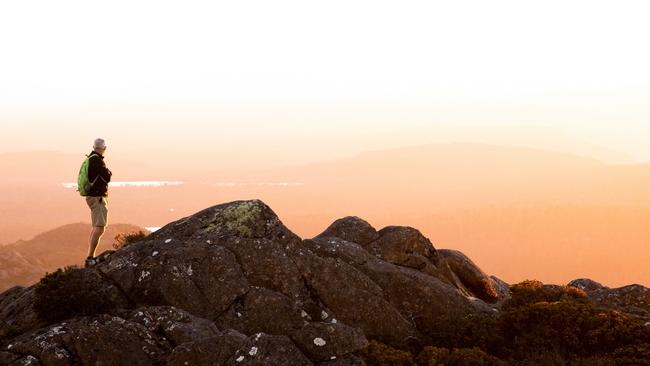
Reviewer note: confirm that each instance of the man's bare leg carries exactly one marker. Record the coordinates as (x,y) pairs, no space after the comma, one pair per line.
(95,236)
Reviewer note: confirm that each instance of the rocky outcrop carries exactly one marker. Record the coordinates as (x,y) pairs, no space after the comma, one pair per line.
(232,285)
(632,299)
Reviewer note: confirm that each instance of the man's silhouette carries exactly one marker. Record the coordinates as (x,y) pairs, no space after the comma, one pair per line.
(99,176)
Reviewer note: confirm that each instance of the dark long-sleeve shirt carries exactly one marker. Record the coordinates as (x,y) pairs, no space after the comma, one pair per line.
(97,170)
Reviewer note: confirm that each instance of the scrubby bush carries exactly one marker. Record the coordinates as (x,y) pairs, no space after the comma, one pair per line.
(533,291)
(555,322)
(122,240)
(560,322)
(540,325)
(379,354)
(551,358)
(70,292)
(432,356)
(638,355)
(471,357)
(435,356)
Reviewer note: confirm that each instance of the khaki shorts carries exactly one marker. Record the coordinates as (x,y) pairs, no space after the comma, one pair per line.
(98,210)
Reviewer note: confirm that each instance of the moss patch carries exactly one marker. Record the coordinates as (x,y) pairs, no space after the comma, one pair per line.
(239,218)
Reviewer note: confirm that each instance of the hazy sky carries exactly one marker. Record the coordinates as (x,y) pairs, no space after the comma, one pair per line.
(225,72)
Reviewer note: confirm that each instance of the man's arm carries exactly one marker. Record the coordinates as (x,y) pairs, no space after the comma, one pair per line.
(104,173)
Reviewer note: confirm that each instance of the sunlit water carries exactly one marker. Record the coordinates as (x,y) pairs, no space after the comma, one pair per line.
(144,183)
(164,183)
(241,184)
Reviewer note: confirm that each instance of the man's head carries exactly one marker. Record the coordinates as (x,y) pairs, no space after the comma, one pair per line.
(99,146)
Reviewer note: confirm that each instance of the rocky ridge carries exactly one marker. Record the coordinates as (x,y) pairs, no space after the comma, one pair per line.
(232,285)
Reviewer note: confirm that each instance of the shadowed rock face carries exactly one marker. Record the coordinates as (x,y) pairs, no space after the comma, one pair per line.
(232,285)
(471,276)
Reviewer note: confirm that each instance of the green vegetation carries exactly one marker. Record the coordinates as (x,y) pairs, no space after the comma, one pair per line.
(70,292)
(122,240)
(540,325)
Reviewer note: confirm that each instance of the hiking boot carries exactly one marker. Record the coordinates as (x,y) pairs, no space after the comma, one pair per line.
(90,261)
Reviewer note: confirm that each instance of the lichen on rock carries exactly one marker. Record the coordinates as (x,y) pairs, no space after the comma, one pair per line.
(240,218)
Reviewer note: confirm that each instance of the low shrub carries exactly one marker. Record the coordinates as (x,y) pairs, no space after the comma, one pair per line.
(432,356)
(122,240)
(466,331)
(471,357)
(533,291)
(436,356)
(638,355)
(560,321)
(70,292)
(379,354)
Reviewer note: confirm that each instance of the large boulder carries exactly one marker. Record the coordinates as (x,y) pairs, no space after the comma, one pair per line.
(322,341)
(411,300)
(354,298)
(353,229)
(400,245)
(470,275)
(97,340)
(196,276)
(406,246)
(396,242)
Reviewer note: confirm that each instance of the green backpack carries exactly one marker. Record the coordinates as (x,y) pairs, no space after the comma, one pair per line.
(83,184)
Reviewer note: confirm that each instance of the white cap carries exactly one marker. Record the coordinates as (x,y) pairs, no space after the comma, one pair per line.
(99,144)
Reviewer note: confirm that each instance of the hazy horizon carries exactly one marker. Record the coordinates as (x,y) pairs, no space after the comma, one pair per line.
(188,149)
(517,212)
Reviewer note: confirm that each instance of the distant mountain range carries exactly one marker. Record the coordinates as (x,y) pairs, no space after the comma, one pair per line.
(521,212)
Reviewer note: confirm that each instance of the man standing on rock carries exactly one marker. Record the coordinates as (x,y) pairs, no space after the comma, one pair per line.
(97,196)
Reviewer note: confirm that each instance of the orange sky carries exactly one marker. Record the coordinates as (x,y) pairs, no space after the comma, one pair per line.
(175,77)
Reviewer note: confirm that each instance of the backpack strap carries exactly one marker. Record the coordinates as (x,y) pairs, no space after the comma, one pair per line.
(98,175)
